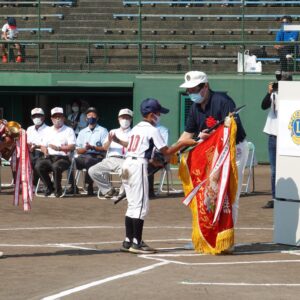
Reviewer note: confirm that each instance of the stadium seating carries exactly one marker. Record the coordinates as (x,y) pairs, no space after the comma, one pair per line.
(174,38)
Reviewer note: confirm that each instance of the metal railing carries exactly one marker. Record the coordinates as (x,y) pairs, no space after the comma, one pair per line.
(144,56)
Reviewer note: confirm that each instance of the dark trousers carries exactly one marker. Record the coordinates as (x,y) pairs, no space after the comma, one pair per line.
(284,64)
(56,164)
(34,156)
(272,156)
(85,161)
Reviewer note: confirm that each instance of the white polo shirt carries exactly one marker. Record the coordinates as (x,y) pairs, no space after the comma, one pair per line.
(35,136)
(59,137)
(116,149)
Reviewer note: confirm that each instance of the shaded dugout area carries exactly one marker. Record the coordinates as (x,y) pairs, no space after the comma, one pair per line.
(16,104)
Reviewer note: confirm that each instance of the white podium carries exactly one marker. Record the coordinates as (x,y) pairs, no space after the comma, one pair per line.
(287,203)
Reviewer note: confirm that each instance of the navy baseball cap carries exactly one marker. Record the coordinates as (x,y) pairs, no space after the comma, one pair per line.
(151,105)
(11,21)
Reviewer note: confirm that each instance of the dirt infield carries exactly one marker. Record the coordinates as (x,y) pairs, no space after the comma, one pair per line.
(68,248)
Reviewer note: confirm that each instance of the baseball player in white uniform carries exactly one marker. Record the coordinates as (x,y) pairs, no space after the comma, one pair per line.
(143,137)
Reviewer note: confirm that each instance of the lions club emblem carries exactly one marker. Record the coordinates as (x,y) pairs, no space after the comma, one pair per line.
(294,127)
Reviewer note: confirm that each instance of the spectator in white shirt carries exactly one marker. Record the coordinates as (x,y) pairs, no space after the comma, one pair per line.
(35,134)
(115,156)
(59,141)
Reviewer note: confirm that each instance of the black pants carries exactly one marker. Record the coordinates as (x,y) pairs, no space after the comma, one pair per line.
(85,161)
(282,52)
(56,164)
(34,156)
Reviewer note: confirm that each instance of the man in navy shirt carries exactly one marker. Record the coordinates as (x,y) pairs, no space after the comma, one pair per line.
(285,52)
(209,107)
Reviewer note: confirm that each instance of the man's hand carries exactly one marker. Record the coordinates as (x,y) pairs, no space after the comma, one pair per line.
(56,148)
(203,135)
(89,147)
(278,46)
(44,150)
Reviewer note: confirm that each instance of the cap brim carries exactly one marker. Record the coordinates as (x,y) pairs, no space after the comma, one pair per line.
(164,110)
(189,85)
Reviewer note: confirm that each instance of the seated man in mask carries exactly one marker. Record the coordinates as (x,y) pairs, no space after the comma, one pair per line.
(89,147)
(59,140)
(35,135)
(115,156)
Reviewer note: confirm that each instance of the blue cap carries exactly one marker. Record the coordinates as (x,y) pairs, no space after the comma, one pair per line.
(11,21)
(151,105)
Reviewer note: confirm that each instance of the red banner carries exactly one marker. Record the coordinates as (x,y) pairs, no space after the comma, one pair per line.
(209,176)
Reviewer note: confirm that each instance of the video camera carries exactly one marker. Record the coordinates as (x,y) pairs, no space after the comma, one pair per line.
(278,76)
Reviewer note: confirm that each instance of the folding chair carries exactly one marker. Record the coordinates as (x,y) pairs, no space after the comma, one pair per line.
(249,170)
(80,175)
(166,178)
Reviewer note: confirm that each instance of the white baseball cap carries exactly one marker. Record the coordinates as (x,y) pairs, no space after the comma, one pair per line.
(125,111)
(194,78)
(37,111)
(57,110)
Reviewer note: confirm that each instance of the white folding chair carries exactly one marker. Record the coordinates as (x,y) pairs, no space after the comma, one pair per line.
(249,170)
(166,179)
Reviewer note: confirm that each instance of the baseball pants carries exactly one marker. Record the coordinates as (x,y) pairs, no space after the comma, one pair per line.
(135,181)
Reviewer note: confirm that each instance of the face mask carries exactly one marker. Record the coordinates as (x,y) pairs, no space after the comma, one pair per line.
(156,120)
(124,123)
(37,121)
(58,123)
(91,121)
(198,97)
(75,108)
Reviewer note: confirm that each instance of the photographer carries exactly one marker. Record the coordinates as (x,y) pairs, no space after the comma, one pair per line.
(271,126)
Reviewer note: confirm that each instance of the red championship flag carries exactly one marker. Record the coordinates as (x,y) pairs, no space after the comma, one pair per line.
(209,177)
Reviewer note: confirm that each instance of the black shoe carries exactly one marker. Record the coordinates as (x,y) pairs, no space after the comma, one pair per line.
(48,192)
(125,246)
(72,190)
(110,193)
(58,193)
(90,190)
(141,248)
(152,195)
(270,204)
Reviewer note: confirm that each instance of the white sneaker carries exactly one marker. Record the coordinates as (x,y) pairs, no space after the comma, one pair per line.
(289,56)
(1,254)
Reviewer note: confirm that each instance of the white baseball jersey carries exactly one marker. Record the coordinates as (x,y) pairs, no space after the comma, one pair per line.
(142,139)
(12,32)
